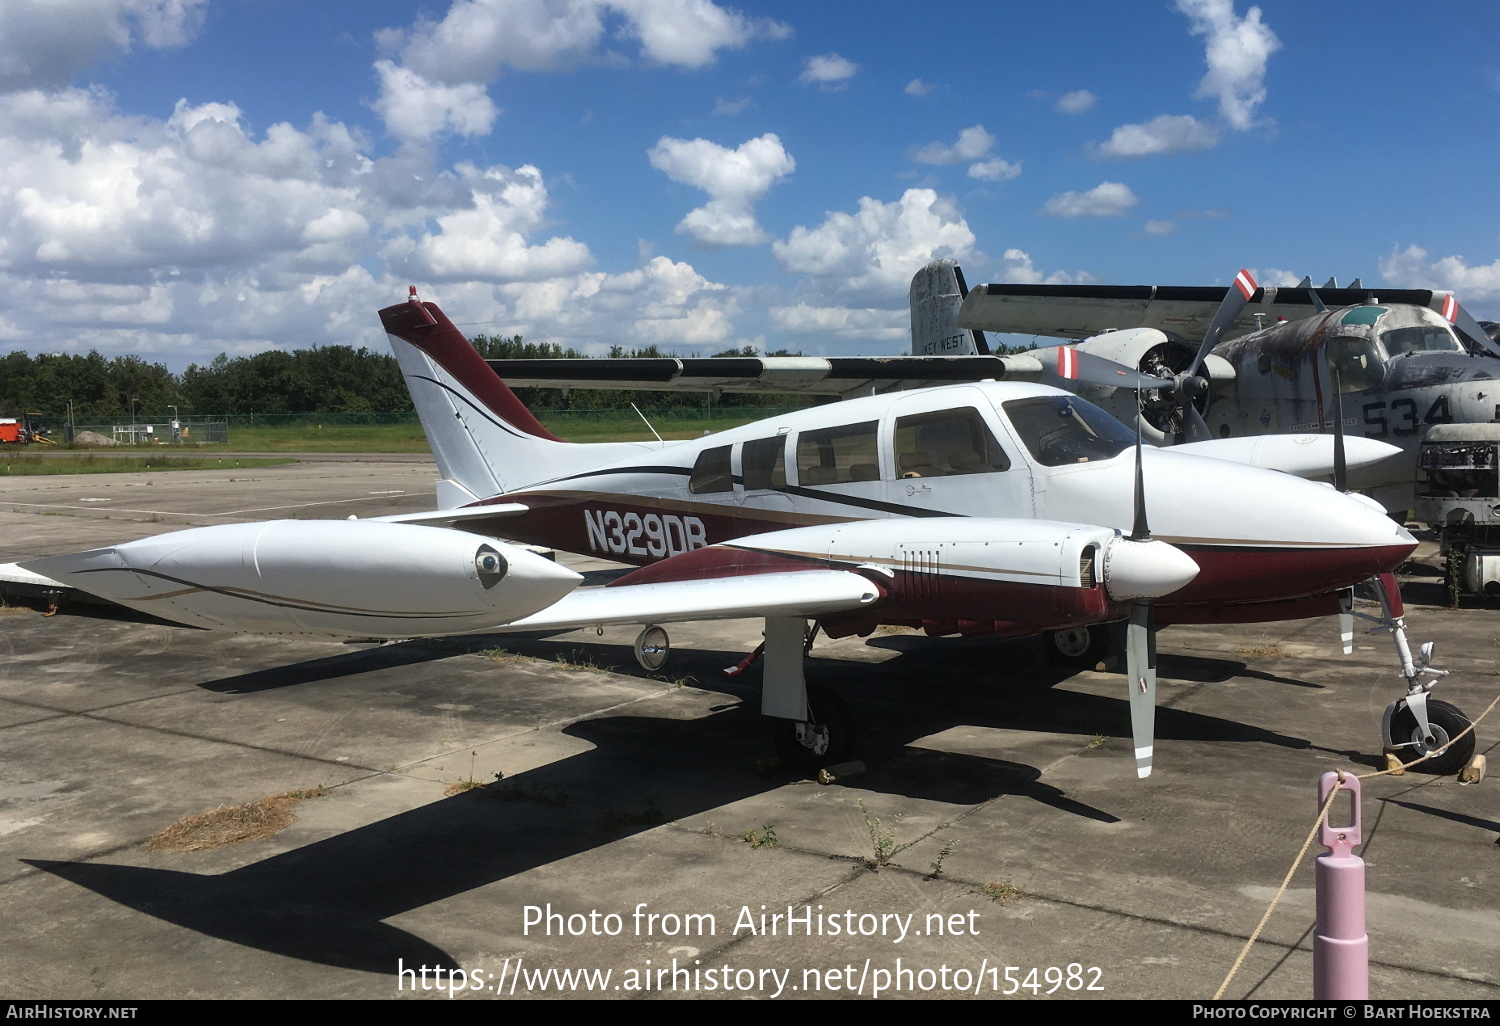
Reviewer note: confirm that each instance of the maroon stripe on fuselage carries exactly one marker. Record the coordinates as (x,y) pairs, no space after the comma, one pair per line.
(447,346)
(1234,576)
(660,527)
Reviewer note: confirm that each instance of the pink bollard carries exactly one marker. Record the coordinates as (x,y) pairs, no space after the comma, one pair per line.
(1341,948)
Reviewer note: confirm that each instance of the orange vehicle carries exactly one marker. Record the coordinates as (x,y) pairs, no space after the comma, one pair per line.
(20,432)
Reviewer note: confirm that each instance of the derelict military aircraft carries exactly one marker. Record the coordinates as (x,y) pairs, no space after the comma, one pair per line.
(985,508)
(1391,357)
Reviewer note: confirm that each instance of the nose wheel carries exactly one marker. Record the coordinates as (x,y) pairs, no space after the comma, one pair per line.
(1444,722)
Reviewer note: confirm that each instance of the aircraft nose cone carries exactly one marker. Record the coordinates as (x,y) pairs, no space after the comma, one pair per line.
(1145,569)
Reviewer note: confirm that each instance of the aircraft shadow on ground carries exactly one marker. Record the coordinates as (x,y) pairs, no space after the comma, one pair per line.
(327,901)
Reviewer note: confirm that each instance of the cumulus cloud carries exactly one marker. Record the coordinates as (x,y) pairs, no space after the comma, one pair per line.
(995,170)
(1107,199)
(829,70)
(916,87)
(1162,228)
(477,39)
(843,322)
(1076,102)
(662,302)
(876,250)
(1275,276)
(1236,51)
(415,109)
(1169,133)
(973,143)
(193,235)
(1017,268)
(44,42)
(488,241)
(731,108)
(443,67)
(1411,268)
(735,181)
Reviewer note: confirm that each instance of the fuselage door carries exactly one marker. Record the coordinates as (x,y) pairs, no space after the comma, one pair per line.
(947,455)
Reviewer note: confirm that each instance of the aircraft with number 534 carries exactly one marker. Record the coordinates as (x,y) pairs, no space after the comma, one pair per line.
(991,507)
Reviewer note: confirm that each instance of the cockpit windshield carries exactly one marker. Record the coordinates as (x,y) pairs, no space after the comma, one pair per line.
(1060,429)
(1423,338)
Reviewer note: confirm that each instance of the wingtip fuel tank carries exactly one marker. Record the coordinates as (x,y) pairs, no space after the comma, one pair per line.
(328,578)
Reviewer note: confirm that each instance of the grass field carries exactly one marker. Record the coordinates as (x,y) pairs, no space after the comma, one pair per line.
(315,433)
(33,464)
(311,436)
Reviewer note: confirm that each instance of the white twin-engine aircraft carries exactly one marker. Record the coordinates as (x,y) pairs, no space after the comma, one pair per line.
(983,508)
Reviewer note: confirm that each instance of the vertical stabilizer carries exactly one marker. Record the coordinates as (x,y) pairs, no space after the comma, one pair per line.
(485,440)
(937,292)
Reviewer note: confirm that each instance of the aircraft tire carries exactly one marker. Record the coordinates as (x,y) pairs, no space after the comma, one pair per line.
(1446,721)
(829,740)
(1077,647)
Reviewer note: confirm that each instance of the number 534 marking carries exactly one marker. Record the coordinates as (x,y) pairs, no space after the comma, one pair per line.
(1404,414)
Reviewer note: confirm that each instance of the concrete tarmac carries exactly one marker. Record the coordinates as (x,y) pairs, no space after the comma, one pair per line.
(998,841)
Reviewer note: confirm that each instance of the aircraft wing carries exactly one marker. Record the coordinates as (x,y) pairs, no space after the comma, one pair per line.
(814,375)
(806,593)
(1079,311)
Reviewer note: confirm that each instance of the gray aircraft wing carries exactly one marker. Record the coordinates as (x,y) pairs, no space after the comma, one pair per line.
(813,375)
(1079,311)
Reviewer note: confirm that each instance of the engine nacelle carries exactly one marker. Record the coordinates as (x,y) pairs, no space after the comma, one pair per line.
(333,578)
(1159,354)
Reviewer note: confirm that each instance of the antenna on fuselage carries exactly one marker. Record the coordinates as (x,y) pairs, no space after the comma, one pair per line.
(641,415)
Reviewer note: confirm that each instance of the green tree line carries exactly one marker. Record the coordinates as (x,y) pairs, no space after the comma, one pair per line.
(329,379)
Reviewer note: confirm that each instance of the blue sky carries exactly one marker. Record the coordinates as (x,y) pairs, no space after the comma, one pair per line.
(180,178)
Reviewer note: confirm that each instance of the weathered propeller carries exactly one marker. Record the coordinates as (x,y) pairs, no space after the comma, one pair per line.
(1182,388)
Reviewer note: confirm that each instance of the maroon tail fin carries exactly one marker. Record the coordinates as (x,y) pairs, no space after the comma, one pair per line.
(428,328)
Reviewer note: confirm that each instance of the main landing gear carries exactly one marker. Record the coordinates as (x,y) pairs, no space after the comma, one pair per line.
(811,726)
(1414,725)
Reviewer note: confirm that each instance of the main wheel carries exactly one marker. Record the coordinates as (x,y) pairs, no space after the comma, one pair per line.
(1079,647)
(827,737)
(1446,722)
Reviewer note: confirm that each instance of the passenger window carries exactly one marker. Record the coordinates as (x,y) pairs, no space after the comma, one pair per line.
(764,463)
(711,472)
(838,455)
(946,443)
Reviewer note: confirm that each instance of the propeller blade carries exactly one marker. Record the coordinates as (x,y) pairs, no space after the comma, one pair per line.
(1197,427)
(1457,316)
(1139,530)
(1235,299)
(1346,619)
(1140,667)
(1340,464)
(1088,369)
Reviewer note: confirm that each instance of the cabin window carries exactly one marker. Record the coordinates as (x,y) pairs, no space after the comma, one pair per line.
(838,455)
(946,443)
(1424,338)
(711,472)
(1059,430)
(1357,361)
(764,463)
